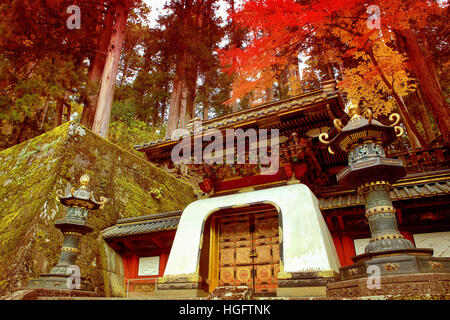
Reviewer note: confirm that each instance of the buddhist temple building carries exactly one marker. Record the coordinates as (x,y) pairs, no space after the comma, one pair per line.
(285,233)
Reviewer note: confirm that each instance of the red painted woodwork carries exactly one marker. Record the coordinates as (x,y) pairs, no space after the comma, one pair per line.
(246,182)
(348,250)
(207,185)
(300,170)
(161,242)
(288,170)
(131,264)
(407,235)
(203,188)
(339,250)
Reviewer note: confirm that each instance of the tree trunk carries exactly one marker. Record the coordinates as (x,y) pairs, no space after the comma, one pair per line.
(428,81)
(155,117)
(428,55)
(183,104)
(205,110)
(174,107)
(425,116)
(68,110)
(415,138)
(330,72)
(190,96)
(269,94)
(176,100)
(163,111)
(283,84)
(234,106)
(96,68)
(105,98)
(164,102)
(44,116)
(58,112)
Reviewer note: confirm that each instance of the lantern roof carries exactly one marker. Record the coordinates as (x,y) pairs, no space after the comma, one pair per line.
(360,129)
(81,197)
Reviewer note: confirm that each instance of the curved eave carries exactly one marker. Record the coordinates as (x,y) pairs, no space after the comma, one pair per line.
(243,117)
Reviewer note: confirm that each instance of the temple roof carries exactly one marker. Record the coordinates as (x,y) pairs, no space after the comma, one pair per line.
(143,224)
(301,103)
(399,191)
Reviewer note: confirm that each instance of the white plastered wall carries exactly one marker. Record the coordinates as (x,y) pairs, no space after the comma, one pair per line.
(306,242)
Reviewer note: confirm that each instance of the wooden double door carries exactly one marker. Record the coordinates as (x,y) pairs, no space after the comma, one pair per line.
(249,250)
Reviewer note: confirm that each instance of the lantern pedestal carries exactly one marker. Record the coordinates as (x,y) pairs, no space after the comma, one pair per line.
(66,275)
(65,278)
(52,281)
(388,253)
(395,262)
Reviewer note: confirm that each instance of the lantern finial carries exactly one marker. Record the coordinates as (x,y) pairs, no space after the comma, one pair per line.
(84,180)
(353,109)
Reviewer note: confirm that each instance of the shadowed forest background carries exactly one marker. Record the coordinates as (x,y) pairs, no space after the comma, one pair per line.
(132,81)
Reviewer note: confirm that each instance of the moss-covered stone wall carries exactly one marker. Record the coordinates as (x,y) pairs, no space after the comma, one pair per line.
(30,174)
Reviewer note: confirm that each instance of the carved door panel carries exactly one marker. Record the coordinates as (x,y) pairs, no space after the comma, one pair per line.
(266,260)
(249,251)
(235,241)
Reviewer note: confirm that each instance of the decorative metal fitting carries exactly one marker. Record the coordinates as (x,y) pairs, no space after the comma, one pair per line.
(391,266)
(353,271)
(380,209)
(370,185)
(399,131)
(70,249)
(395,118)
(435,265)
(389,236)
(338,124)
(74,234)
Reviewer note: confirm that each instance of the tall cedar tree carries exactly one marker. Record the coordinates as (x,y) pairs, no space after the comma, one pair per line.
(193,31)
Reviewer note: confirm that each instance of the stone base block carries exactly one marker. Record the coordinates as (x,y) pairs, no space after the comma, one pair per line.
(396,263)
(57,282)
(231,293)
(179,293)
(302,292)
(42,294)
(188,287)
(305,284)
(405,285)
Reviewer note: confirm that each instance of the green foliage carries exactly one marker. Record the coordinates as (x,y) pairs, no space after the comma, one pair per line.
(213,92)
(129,133)
(142,95)
(28,100)
(156,193)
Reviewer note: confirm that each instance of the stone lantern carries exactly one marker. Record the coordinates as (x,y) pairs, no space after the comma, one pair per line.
(66,275)
(370,172)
